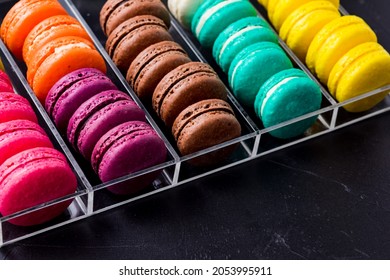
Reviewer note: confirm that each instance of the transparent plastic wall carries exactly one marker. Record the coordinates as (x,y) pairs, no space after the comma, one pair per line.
(92,196)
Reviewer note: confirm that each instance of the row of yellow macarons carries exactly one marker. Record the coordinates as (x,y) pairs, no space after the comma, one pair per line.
(342,51)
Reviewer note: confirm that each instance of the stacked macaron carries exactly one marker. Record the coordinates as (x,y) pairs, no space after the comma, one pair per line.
(333,45)
(105,126)
(161,73)
(32,172)
(50,42)
(247,50)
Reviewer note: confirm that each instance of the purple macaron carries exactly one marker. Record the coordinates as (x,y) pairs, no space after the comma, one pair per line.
(71,91)
(98,115)
(125,149)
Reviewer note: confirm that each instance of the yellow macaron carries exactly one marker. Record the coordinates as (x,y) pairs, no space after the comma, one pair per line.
(333,41)
(279,10)
(264,3)
(1,65)
(299,28)
(361,70)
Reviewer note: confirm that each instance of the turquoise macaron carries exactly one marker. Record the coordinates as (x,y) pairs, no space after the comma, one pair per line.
(287,95)
(239,35)
(253,66)
(213,16)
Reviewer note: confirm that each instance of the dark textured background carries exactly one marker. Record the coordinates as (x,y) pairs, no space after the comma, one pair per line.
(328,198)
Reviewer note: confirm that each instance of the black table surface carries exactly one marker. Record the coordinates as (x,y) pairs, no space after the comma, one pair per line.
(327,198)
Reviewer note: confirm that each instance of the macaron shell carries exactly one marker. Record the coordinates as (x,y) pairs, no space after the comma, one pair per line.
(184,86)
(62,85)
(59,63)
(40,175)
(77,94)
(14,107)
(279,10)
(361,70)
(220,16)
(115,12)
(27,17)
(300,28)
(5,87)
(135,140)
(43,53)
(245,76)
(50,29)
(5,79)
(1,65)
(238,36)
(19,135)
(333,41)
(294,95)
(203,125)
(130,38)
(151,65)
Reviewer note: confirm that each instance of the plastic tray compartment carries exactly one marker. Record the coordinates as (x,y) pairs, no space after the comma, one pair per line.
(92,196)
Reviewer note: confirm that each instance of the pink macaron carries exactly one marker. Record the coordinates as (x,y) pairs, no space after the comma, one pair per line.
(33,177)
(15,107)
(97,116)
(125,149)
(19,135)
(5,83)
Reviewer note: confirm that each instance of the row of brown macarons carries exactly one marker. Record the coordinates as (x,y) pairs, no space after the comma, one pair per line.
(188,96)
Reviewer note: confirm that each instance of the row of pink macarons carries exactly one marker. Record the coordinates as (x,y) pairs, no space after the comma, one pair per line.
(32,171)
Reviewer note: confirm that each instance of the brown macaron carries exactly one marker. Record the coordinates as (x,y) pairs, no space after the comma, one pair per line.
(184,86)
(205,124)
(152,64)
(133,36)
(114,12)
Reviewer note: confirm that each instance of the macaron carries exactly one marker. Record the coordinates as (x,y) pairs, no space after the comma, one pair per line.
(133,36)
(213,16)
(98,115)
(5,83)
(59,57)
(125,149)
(264,3)
(253,66)
(239,35)
(184,86)
(72,90)
(33,177)
(115,12)
(50,29)
(333,41)
(300,27)
(22,18)
(361,70)
(184,10)
(287,95)
(15,107)
(205,124)
(279,10)
(19,135)
(152,64)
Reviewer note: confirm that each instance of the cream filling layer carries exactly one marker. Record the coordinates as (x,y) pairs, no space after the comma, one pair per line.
(206,15)
(71,46)
(235,36)
(272,91)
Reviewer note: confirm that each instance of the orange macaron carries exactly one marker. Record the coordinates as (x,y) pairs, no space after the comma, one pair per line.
(22,18)
(58,58)
(49,29)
